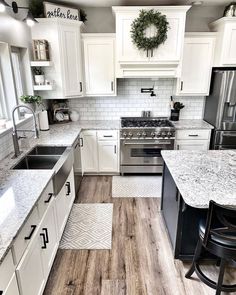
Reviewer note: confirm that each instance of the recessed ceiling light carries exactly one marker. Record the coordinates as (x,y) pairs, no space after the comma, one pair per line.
(197,3)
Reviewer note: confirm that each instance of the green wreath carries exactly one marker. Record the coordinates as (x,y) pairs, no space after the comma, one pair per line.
(140,24)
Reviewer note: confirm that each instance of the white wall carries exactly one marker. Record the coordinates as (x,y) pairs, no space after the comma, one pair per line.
(101,20)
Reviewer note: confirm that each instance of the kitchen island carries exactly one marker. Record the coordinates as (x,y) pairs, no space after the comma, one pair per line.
(190,180)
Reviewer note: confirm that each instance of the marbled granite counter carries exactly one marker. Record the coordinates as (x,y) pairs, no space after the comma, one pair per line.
(191,124)
(19,192)
(202,176)
(17,197)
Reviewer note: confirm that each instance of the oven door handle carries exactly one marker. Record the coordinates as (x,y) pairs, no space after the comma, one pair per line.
(147,143)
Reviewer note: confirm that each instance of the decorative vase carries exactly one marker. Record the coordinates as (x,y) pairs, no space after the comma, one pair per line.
(174,116)
(31,105)
(74,116)
(39,79)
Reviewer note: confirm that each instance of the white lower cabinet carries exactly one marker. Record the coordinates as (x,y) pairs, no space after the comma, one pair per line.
(198,145)
(32,269)
(12,288)
(30,274)
(89,153)
(64,201)
(100,151)
(107,156)
(193,139)
(48,234)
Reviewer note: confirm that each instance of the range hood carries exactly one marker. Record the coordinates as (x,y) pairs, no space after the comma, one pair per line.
(135,70)
(164,61)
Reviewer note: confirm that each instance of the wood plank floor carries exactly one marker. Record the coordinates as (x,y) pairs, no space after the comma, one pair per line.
(140,261)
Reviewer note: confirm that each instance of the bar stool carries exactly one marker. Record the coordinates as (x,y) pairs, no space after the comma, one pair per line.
(217,236)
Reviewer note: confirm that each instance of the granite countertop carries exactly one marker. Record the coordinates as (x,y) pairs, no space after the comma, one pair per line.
(202,176)
(17,199)
(192,124)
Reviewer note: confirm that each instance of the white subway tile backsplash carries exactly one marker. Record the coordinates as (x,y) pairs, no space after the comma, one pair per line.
(130,101)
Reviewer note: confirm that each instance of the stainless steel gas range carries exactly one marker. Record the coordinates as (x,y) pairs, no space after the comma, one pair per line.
(141,142)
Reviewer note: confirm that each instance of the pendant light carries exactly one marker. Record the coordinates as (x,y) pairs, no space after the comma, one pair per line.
(30,20)
(3,5)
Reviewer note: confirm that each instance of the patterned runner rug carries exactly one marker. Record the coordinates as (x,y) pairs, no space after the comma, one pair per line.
(136,186)
(89,227)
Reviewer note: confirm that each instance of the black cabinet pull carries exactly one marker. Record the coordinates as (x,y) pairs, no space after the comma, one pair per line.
(81,86)
(181,85)
(68,188)
(115,149)
(112,85)
(31,233)
(193,135)
(107,135)
(49,198)
(46,234)
(44,241)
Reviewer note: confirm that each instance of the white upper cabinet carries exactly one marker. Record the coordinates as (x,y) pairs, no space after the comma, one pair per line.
(99,64)
(197,64)
(65,53)
(226,41)
(71,59)
(163,61)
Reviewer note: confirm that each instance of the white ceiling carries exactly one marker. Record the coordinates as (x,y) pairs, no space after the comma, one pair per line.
(109,3)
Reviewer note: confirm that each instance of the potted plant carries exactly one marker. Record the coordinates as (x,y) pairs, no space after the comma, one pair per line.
(38,76)
(31,101)
(177,106)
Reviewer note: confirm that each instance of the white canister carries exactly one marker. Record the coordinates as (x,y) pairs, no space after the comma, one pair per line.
(74,116)
(43,121)
(39,79)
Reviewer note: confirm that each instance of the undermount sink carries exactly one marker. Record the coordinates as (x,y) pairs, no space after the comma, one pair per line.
(47,150)
(37,162)
(60,159)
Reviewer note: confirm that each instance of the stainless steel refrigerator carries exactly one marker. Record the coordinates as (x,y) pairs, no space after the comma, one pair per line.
(220,108)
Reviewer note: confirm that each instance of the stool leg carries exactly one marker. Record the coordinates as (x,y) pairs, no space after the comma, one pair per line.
(221,277)
(195,258)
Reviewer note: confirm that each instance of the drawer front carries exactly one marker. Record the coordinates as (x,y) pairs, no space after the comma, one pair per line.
(25,236)
(45,199)
(193,134)
(6,271)
(107,134)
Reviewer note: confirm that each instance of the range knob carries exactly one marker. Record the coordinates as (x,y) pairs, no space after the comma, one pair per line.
(124,134)
(153,134)
(139,134)
(130,134)
(144,134)
(158,135)
(169,134)
(163,134)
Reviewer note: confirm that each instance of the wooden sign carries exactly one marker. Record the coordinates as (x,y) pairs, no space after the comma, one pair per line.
(52,10)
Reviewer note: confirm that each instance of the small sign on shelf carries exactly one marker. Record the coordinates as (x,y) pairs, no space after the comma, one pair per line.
(52,10)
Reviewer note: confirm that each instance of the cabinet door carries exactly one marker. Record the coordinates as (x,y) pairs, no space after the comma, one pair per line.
(64,201)
(108,156)
(192,145)
(99,66)
(61,212)
(70,191)
(126,50)
(196,66)
(12,288)
(49,238)
(29,272)
(71,60)
(229,45)
(169,51)
(89,153)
